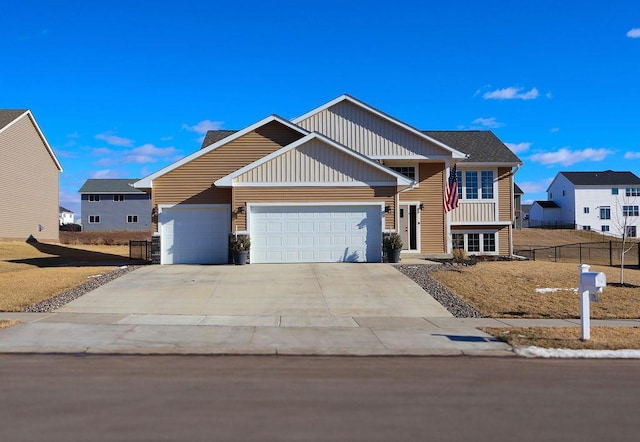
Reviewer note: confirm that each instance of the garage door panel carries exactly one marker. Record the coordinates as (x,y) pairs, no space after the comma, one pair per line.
(194,235)
(316,233)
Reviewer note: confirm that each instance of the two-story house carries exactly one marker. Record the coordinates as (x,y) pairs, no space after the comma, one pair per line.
(66,216)
(114,204)
(29,179)
(325,186)
(604,201)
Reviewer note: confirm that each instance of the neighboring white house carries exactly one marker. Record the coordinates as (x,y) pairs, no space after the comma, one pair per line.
(66,216)
(601,201)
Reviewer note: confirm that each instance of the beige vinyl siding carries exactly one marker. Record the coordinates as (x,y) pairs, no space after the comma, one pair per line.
(367,133)
(432,219)
(29,179)
(315,162)
(284,195)
(503,237)
(192,183)
(505,194)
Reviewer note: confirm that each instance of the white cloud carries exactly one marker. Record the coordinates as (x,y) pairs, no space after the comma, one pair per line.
(567,157)
(104,162)
(106,173)
(634,33)
(554,130)
(148,153)
(101,151)
(113,139)
(511,93)
(490,123)
(203,127)
(518,147)
(535,186)
(632,156)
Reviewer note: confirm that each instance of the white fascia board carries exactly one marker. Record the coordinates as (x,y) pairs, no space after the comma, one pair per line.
(40,134)
(319,184)
(227,181)
(454,153)
(481,223)
(464,164)
(146,182)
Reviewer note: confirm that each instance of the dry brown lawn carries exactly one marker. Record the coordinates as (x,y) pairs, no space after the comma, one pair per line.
(526,238)
(30,273)
(602,338)
(507,289)
(6,323)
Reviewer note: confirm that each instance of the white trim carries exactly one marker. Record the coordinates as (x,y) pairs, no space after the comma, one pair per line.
(481,223)
(44,140)
(228,181)
(454,153)
(473,164)
(161,207)
(114,193)
(147,182)
(132,222)
(435,158)
(418,223)
(480,232)
(317,184)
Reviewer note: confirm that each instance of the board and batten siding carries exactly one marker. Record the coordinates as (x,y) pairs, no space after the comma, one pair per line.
(430,193)
(29,179)
(192,182)
(368,133)
(315,162)
(284,195)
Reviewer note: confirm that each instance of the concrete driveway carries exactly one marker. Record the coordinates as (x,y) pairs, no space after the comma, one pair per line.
(269,294)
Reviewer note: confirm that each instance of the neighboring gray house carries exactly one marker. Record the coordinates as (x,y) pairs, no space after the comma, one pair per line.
(114,204)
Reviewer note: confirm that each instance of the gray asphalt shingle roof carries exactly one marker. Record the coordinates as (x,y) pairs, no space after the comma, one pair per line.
(547,204)
(8,115)
(517,190)
(213,136)
(482,146)
(119,185)
(604,178)
(62,209)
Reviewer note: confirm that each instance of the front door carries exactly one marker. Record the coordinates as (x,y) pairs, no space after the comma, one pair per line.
(409,226)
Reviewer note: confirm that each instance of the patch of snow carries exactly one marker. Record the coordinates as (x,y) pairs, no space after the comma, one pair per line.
(552,290)
(539,352)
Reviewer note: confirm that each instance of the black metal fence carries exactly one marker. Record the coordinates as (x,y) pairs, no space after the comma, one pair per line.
(140,250)
(608,253)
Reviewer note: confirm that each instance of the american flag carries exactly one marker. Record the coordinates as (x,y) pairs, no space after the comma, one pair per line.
(451,191)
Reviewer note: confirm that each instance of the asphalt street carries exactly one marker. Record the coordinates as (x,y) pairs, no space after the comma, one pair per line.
(247,398)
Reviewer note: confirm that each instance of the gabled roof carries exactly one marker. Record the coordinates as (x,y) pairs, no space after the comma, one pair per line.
(455,153)
(547,204)
(604,178)
(213,136)
(400,179)
(145,183)
(111,185)
(9,116)
(481,146)
(62,209)
(517,190)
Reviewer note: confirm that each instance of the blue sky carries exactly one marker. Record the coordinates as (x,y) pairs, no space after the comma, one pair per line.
(123,88)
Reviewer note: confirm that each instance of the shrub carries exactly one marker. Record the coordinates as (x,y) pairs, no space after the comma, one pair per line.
(239,243)
(392,241)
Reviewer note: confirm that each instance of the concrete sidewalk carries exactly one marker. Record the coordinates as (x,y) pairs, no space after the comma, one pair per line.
(93,333)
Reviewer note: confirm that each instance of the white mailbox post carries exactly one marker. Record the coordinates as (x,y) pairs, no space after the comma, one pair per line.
(591,283)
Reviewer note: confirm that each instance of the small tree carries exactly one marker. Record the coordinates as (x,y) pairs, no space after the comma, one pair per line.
(626,222)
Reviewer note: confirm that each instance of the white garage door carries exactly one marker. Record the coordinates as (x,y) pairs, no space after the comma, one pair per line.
(316,234)
(194,234)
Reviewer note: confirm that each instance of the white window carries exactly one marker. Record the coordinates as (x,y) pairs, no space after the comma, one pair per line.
(132,218)
(94,219)
(614,191)
(472,242)
(475,184)
(605,212)
(604,228)
(632,191)
(94,197)
(408,171)
(118,198)
(586,227)
(586,210)
(631,231)
(630,211)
